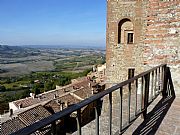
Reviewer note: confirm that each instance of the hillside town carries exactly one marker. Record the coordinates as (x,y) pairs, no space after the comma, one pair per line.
(29,110)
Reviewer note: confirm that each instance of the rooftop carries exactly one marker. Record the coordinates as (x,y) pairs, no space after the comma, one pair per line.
(29,101)
(44,105)
(11,126)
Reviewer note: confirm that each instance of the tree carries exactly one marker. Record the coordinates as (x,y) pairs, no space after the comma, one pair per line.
(36,89)
(2,88)
(64,81)
(48,86)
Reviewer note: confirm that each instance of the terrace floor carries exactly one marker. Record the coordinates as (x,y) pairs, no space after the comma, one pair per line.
(163,118)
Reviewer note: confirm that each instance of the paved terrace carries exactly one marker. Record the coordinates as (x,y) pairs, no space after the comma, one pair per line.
(164,113)
(163,118)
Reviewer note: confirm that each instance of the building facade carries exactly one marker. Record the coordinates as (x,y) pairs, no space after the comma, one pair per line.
(141,34)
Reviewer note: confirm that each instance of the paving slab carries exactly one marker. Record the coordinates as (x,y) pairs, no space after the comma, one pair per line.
(163,118)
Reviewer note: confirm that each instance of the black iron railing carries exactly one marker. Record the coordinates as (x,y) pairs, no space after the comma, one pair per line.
(145,86)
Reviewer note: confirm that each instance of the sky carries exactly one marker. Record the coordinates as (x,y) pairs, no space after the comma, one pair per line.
(53,22)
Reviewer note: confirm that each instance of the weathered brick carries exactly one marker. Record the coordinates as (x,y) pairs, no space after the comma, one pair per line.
(155,24)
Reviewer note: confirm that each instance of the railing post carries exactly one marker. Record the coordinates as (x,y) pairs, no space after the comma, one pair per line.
(152,85)
(121,96)
(146,94)
(110,113)
(164,92)
(142,93)
(97,116)
(129,103)
(155,85)
(78,119)
(159,79)
(136,90)
(53,128)
(162,77)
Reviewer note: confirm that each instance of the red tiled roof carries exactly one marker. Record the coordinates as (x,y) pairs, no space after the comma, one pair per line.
(55,105)
(69,98)
(33,115)
(84,93)
(41,97)
(26,102)
(81,85)
(11,126)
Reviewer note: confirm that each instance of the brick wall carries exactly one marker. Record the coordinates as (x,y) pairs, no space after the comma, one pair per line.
(162,33)
(156,26)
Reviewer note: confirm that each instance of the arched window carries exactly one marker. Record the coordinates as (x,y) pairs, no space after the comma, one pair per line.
(125,32)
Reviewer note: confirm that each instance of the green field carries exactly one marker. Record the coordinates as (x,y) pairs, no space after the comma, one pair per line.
(75,63)
(50,67)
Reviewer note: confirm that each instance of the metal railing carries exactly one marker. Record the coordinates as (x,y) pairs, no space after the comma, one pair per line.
(145,86)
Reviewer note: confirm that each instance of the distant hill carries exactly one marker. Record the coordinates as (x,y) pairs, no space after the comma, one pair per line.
(10,48)
(16,51)
(66,47)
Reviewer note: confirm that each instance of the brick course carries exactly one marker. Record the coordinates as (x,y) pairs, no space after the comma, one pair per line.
(156,36)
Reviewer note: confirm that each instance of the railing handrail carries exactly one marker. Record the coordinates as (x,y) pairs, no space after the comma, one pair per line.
(50,119)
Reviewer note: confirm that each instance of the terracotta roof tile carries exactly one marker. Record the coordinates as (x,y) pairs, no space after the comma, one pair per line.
(69,98)
(33,115)
(81,85)
(26,102)
(60,103)
(11,126)
(66,96)
(52,106)
(41,97)
(84,93)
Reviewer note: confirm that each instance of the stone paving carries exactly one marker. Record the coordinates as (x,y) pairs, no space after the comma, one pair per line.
(163,119)
(171,122)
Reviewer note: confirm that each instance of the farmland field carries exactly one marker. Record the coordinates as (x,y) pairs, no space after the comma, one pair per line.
(21,66)
(22,60)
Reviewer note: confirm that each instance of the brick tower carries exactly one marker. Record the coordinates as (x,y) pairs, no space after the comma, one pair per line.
(141,34)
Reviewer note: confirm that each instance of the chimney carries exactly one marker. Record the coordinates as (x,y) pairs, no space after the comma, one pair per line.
(54,96)
(32,95)
(20,106)
(10,112)
(62,106)
(89,84)
(92,91)
(67,103)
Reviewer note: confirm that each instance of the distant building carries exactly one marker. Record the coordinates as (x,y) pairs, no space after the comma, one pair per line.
(101,69)
(36,81)
(99,74)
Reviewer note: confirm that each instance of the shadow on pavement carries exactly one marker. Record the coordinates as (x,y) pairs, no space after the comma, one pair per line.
(154,118)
